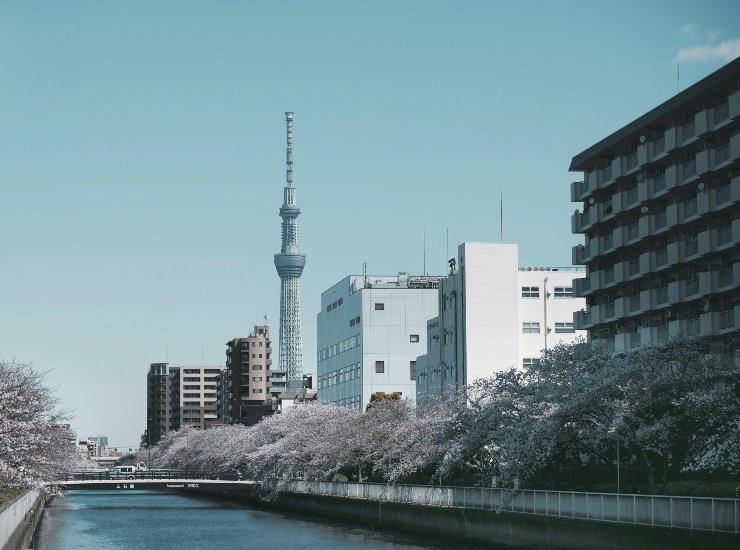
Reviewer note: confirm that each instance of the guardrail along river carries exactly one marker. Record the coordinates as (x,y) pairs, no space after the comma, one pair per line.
(133,520)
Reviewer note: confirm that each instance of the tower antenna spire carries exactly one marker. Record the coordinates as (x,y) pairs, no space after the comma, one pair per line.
(289,151)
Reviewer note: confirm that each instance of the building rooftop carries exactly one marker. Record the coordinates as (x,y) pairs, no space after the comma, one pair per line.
(655,116)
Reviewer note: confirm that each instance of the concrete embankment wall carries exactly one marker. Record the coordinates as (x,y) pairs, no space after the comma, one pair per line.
(489,528)
(21,520)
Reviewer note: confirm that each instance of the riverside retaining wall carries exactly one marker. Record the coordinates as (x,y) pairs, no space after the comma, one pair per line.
(20,519)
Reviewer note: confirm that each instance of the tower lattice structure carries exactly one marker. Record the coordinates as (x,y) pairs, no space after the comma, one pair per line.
(289,264)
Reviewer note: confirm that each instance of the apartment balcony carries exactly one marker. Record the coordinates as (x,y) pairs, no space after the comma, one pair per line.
(657,185)
(580,222)
(582,253)
(582,287)
(583,319)
(627,305)
(670,138)
(672,176)
(656,149)
(707,242)
(687,132)
(733,106)
(735,147)
(605,177)
(578,191)
(703,121)
(720,156)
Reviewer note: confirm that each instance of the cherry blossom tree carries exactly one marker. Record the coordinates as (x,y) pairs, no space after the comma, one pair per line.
(35,445)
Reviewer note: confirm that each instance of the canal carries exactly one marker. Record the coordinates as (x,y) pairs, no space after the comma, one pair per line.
(113,520)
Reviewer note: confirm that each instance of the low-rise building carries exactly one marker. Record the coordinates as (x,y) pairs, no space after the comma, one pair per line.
(370,331)
(494,315)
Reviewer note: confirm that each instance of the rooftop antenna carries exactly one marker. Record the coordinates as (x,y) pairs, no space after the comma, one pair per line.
(447,248)
(289,153)
(678,74)
(501,216)
(424,270)
(364,274)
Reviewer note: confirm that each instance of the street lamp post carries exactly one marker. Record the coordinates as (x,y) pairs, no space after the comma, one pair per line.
(149,443)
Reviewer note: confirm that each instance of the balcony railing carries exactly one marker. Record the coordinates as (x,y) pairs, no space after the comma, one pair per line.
(609,241)
(632,195)
(692,327)
(609,276)
(689,169)
(633,267)
(725,277)
(722,112)
(659,183)
(724,235)
(634,339)
(692,246)
(689,208)
(631,160)
(726,319)
(661,220)
(662,295)
(633,231)
(661,257)
(722,154)
(659,146)
(688,130)
(723,194)
(692,286)
(609,310)
(663,334)
(634,302)
(606,173)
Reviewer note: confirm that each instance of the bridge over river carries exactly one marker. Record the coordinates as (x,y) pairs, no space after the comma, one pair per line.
(225,484)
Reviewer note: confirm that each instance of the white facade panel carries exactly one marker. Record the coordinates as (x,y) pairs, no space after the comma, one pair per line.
(391,329)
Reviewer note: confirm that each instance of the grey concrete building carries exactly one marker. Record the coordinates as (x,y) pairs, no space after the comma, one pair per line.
(660,213)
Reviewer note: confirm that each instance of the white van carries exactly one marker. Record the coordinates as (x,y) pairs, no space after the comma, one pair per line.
(123,472)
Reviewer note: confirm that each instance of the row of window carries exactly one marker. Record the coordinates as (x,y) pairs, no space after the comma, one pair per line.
(354,402)
(560,328)
(558,292)
(345,374)
(341,347)
(355,321)
(197,395)
(334,304)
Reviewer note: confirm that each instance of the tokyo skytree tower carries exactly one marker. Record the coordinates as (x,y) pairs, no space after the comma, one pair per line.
(289,264)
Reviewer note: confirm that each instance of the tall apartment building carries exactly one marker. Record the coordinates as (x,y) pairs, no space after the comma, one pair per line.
(369,332)
(179,396)
(249,384)
(157,403)
(660,215)
(194,393)
(494,315)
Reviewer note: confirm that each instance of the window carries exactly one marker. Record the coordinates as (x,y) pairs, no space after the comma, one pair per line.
(191,395)
(256,367)
(530,292)
(191,379)
(412,370)
(257,390)
(191,371)
(191,387)
(529,362)
(563,292)
(414,338)
(379,366)
(531,328)
(563,328)
(212,371)
(256,379)
(340,301)
(379,306)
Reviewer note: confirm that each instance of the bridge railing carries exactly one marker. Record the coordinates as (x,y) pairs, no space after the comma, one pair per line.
(150,474)
(675,512)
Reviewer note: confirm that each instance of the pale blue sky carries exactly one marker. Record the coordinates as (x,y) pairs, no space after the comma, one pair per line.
(142,157)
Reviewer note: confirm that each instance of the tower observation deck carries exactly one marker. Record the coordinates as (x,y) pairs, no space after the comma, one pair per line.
(289,264)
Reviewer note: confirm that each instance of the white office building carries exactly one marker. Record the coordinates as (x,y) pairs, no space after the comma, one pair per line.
(370,331)
(493,315)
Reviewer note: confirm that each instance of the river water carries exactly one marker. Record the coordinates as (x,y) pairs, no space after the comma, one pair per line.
(133,520)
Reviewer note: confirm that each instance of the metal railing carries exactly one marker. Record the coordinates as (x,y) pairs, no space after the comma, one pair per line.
(722,112)
(659,146)
(688,130)
(722,154)
(13,514)
(688,169)
(691,513)
(150,474)
(723,194)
